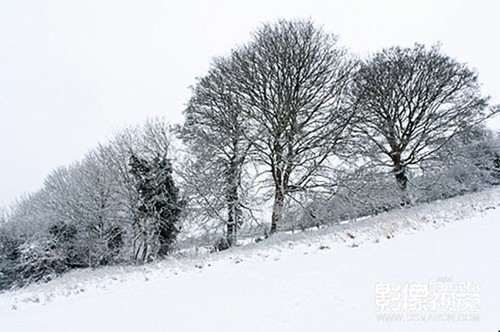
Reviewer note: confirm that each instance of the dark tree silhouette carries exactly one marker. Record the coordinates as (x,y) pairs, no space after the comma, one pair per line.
(160,202)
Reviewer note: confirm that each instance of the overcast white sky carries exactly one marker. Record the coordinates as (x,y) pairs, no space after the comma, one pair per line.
(74,72)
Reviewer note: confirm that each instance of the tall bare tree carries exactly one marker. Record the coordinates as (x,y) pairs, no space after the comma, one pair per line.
(214,130)
(411,101)
(291,81)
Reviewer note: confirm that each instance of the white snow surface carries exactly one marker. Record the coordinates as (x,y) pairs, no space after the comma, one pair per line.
(321,280)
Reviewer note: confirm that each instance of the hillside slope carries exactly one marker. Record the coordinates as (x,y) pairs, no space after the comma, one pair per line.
(378,274)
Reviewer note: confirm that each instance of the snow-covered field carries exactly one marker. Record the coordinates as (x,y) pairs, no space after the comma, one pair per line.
(435,267)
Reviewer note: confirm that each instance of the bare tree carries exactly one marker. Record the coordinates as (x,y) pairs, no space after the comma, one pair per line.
(291,81)
(411,101)
(80,197)
(214,130)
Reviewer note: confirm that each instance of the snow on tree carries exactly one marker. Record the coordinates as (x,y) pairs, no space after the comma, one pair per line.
(291,81)
(216,132)
(411,101)
(160,204)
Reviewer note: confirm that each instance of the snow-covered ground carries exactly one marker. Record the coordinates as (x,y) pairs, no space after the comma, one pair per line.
(434,267)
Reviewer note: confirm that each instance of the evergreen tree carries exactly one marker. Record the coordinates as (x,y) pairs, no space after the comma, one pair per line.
(160,204)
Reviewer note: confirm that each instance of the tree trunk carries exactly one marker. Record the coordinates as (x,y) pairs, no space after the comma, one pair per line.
(277,216)
(233,215)
(401,178)
(399,171)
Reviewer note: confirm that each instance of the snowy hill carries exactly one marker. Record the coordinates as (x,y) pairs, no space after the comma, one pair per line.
(434,267)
